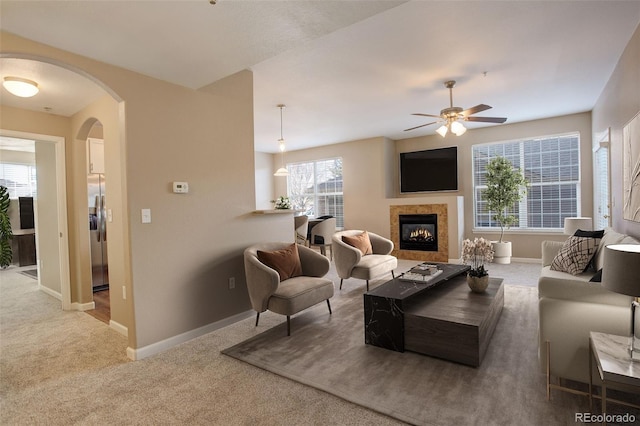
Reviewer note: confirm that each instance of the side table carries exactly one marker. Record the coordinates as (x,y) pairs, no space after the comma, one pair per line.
(610,352)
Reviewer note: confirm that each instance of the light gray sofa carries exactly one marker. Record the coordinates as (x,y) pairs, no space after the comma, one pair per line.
(572,306)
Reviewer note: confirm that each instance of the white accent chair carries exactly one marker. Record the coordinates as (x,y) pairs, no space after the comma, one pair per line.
(321,235)
(301,225)
(292,295)
(351,263)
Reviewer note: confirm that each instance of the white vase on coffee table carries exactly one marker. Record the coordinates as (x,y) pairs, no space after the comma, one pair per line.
(501,252)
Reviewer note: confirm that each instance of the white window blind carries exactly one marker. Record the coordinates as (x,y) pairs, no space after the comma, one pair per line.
(551,165)
(20,179)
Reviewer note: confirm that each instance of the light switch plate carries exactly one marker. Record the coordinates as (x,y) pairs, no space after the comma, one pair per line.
(146,215)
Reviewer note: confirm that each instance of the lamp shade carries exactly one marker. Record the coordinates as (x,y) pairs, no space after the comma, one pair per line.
(20,86)
(442,130)
(621,269)
(281,172)
(458,128)
(572,224)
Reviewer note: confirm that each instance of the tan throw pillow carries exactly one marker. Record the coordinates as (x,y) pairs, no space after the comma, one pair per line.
(285,261)
(360,241)
(575,255)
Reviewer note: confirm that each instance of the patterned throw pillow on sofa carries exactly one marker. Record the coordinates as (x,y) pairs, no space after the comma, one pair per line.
(575,255)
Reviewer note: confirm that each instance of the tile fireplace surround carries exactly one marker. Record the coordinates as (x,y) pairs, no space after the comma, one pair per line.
(442,255)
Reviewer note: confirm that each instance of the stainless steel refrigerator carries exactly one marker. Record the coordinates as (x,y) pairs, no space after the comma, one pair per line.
(98,232)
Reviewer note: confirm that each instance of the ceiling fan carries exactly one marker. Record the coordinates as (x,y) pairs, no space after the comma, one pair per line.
(451,117)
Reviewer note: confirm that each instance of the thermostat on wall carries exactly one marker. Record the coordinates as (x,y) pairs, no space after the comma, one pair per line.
(180,187)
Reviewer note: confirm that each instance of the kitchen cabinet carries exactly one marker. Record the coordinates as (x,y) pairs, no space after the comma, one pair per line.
(96,155)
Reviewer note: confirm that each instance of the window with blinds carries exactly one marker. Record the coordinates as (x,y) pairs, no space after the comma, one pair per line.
(20,179)
(551,165)
(315,187)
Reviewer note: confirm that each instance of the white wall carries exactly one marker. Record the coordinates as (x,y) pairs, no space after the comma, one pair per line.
(617,105)
(370,172)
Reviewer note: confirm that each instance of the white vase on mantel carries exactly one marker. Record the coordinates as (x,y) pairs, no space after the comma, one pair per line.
(501,252)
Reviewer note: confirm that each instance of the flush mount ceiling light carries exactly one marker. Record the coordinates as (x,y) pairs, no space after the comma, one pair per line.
(452,117)
(20,86)
(282,171)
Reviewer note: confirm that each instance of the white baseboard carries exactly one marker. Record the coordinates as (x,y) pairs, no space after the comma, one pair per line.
(50,292)
(119,328)
(155,348)
(513,259)
(75,306)
(526,260)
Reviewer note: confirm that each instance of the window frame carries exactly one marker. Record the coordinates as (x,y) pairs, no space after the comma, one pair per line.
(31,186)
(523,204)
(317,195)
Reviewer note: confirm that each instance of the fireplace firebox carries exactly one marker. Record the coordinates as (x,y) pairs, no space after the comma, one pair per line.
(418,232)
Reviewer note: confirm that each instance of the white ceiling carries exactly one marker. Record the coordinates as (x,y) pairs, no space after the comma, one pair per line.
(345,69)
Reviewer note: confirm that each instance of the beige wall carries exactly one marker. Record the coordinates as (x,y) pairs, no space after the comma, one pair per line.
(264,181)
(179,265)
(617,105)
(84,124)
(370,170)
(525,245)
(46,213)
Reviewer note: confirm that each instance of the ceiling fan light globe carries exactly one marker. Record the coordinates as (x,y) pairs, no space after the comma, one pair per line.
(442,130)
(458,128)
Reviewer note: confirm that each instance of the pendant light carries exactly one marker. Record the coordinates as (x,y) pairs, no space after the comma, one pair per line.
(282,171)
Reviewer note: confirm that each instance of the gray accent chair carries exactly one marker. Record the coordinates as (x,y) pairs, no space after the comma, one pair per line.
(350,263)
(290,296)
(321,235)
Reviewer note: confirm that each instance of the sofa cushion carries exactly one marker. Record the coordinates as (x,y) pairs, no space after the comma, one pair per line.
(575,255)
(373,266)
(360,241)
(561,285)
(592,234)
(299,293)
(610,237)
(286,261)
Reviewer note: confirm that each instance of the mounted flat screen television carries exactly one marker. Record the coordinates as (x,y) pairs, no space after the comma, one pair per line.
(429,170)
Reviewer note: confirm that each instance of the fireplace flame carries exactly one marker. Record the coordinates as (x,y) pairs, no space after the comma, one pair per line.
(420,234)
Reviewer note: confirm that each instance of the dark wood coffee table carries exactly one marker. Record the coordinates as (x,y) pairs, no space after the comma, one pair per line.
(448,321)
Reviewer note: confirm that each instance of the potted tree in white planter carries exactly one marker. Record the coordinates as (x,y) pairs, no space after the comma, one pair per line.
(505,187)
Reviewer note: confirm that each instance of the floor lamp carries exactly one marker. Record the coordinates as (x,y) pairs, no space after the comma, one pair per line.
(621,274)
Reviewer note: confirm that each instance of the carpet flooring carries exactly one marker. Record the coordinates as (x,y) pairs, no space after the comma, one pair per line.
(67,368)
(328,352)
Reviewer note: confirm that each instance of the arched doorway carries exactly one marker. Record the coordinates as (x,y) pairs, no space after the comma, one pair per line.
(107,109)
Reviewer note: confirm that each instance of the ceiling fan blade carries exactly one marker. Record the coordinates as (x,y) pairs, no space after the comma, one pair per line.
(422,125)
(487,119)
(474,110)
(426,115)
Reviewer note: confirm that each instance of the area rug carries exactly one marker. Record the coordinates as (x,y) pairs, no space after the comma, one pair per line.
(328,352)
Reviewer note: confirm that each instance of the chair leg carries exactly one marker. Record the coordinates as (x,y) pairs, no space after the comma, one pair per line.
(257,318)
(288,325)
(323,251)
(329,305)
(392,274)
(367,285)
(340,283)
